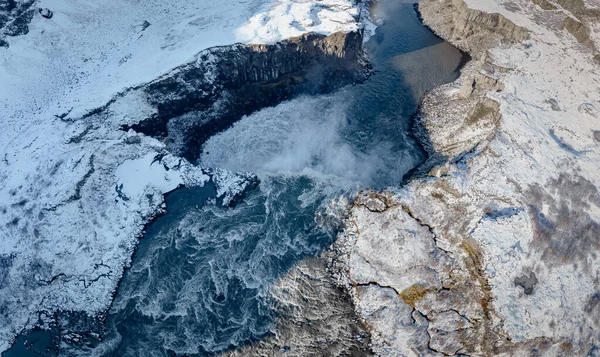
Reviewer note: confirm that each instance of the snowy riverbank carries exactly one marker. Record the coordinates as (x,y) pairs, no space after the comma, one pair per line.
(496,252)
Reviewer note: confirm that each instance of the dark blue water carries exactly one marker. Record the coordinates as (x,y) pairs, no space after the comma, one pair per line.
(200,280)
(34,344)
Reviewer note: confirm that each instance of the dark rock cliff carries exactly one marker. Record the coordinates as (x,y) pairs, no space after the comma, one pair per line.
(199,99)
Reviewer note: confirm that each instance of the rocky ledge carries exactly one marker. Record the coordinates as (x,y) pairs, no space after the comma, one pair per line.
(496,250)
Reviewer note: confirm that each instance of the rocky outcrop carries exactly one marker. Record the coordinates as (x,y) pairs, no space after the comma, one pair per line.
(461,125)
(580,18)
(193,102)
(580,31)
(468,29)
(544,4)
(580,9)
(495,253)
(45,12)
(468,22)
(417,296)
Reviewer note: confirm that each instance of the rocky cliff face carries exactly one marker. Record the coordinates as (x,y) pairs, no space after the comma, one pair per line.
(469,29)
(582,20)
(496,251)
(193,102)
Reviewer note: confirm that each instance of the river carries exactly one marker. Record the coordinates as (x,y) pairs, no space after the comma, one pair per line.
(199,281)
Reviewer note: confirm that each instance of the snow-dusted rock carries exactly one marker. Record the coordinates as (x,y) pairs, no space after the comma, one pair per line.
(515,209)
(410,286)
(45,12)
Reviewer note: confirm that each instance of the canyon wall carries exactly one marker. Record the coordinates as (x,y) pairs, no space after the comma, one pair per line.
(199,99)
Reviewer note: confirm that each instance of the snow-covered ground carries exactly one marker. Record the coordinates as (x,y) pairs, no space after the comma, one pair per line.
(75,192)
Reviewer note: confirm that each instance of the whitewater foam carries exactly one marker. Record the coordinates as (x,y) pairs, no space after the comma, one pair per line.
(307,136)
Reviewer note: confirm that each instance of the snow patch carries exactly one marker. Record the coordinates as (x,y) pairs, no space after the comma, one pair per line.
(292,18)
(133,176)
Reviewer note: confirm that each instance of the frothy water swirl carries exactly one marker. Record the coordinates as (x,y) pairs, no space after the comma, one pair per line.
(310,136)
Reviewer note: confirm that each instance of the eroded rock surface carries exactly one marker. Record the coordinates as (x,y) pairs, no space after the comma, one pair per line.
(496,251)
(422,294)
